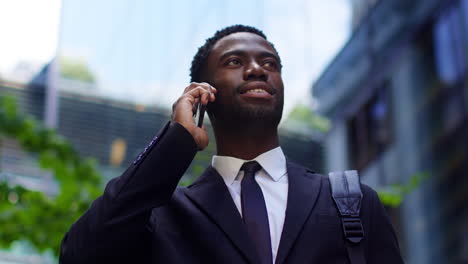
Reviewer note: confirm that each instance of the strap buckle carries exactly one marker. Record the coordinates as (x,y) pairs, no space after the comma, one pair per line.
(352,228)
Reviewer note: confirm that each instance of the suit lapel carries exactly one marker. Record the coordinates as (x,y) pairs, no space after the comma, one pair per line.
(303,192)
(210,193)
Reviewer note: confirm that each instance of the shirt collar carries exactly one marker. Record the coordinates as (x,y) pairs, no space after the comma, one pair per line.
(272,161)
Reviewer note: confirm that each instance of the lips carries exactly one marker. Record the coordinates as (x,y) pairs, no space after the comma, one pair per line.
(256,88)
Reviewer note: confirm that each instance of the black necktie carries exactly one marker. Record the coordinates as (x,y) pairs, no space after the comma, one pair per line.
(254,212)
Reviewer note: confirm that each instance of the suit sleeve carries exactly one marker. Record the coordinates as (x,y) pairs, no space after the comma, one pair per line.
(383,243)
(114,227)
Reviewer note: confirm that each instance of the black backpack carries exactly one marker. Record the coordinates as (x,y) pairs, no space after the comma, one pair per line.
(347,194)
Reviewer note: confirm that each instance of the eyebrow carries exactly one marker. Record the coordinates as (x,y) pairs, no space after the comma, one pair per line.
(243,53)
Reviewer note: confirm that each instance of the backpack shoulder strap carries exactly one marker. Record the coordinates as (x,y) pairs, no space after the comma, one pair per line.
(347,194)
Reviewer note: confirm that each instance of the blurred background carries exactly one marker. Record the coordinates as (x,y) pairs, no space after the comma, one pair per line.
(378,86)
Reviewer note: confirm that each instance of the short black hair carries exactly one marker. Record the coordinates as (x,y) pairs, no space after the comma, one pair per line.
(198,61)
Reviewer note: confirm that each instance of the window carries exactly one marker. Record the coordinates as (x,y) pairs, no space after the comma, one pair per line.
(449,44)
(450,35)
(117,153)
(370,129)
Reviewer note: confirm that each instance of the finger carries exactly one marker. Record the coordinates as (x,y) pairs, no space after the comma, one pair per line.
(206,85)
(210,88)
(198,92)
(212,97)
(194,97)
(213,90)
(195,85)
(191,86)
(204,98)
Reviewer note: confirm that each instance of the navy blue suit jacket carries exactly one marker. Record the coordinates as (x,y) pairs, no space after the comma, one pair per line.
(143,217)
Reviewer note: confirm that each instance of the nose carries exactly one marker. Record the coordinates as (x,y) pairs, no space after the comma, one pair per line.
(254,71)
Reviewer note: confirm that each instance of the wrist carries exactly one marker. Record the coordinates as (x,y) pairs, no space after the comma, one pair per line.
(189,127)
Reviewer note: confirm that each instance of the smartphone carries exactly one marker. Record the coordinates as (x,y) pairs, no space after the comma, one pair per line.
(201,113)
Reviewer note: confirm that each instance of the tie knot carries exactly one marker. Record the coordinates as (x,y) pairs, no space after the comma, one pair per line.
(251,167)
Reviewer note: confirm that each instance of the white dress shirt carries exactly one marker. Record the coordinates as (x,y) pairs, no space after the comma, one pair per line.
(272,179)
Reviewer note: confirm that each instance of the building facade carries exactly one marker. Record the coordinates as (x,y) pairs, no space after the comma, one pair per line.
(397,97)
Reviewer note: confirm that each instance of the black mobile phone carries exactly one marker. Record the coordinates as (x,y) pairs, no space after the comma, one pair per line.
(201,113)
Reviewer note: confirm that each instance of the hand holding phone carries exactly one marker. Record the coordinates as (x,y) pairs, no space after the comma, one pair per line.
(193,101)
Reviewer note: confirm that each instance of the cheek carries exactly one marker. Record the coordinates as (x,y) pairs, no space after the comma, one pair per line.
(226,84)
(217,81)
(278,83)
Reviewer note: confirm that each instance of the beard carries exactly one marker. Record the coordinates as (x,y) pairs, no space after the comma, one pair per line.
(246,114)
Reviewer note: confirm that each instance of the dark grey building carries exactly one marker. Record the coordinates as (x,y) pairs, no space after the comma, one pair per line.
(397,98)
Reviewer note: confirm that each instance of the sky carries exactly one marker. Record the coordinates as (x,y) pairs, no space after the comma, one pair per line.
(29,30)
(140,50)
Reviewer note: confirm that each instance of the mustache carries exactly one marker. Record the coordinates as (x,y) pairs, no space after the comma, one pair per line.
(240,87)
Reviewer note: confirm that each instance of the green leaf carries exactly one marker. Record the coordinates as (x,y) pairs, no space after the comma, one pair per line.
(393,195)
(29,215)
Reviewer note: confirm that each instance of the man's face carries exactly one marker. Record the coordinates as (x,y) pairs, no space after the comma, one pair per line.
(245,70)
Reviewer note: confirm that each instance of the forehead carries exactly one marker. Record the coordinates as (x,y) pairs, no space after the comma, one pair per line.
(241,41)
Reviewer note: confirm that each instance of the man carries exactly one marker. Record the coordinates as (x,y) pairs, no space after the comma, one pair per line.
(238,211)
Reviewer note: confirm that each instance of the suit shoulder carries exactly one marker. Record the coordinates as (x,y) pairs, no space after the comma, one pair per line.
(309,172)
(368,191)
(179,191)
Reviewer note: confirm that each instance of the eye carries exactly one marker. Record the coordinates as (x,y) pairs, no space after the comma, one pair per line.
(270,64)
(233,62)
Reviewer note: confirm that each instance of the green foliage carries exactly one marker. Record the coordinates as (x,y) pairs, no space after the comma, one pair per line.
(305,115)
(31,215)
(394,194)
(76,69)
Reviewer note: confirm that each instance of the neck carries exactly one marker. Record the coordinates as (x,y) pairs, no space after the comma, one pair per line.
(245,143)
